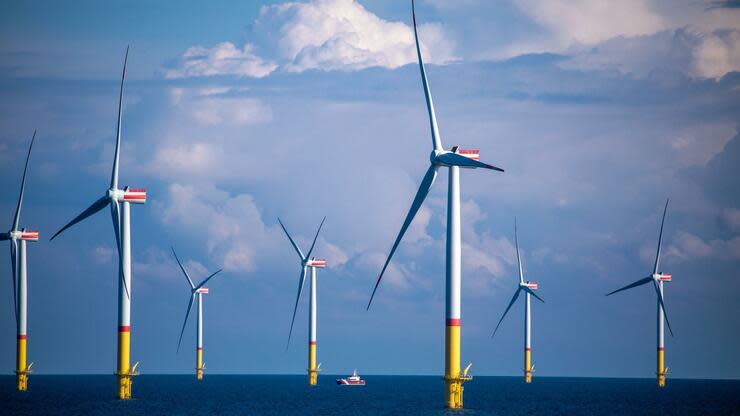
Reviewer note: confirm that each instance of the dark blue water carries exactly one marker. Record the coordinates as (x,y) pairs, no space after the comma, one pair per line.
(383,395)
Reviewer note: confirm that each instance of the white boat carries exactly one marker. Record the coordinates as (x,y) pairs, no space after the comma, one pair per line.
(353,380)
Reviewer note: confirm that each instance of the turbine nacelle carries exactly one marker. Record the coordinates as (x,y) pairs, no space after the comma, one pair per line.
(531,285)
(439,158)
(27,235)
(662,277)
(321,263)
(131,195)
(201,290)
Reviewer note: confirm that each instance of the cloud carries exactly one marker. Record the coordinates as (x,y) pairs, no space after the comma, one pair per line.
(342,34)
(587,21)
(320,34)
(217,106)
(686,247)
(104,254)
(717,54)
(223,59)
(229,225)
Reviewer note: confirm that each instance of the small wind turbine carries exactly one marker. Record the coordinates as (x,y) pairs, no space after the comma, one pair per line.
(119,201)
(453,159)
(314,263)
(529,288)
(199,291)
(657,279)
(18,264)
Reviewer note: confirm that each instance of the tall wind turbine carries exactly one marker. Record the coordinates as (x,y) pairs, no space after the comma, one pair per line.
(529,288)
(657,279)
(18,264)
(314,263)
(119,201)
(198,291)
(453,159)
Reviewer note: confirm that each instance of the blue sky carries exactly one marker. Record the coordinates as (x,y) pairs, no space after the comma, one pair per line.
(239,113)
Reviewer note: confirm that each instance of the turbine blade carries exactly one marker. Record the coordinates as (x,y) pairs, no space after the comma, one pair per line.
(314,239)
(207,279)
(455,159)
(518,258)
(421,194)
(660,238)
(295,246)
(115,213)
(297,298)
(436,140)
(513,299)
(531,292)
(23,186)
(14,266)
(114,173)
(187,314)
(662,305)
(92,209)
(631,285)
(187,276)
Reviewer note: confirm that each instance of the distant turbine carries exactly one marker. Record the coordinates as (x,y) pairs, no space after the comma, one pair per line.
(122,227)
(453,159)
(199,290)
(528,287)
(314,263)
(657,279)
(18,264)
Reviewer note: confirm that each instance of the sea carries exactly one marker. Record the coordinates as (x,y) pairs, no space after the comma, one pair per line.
(383,395)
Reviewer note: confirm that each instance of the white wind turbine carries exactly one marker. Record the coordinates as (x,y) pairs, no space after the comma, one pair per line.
(453,159)
(119,201)
(657,279)
(314,263)
(18,264)
(198,291)
(529,288)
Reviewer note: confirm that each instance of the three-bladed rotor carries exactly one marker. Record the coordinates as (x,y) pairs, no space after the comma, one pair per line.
(528,287)
(14,235)
(656,277)
(437,158)
(306,262)
(193,291)
(113,196)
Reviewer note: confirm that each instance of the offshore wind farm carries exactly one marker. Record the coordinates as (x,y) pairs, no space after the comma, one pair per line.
(312,110)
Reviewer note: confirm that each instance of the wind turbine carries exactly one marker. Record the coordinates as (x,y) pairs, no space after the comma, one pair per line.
(198,291)
(119,201)
(453,159)
(657,279)
(529,288)
(18,264)
(314,263)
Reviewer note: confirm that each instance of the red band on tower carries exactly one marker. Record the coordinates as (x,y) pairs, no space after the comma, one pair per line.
(124,328)
(453,322)
(24,336)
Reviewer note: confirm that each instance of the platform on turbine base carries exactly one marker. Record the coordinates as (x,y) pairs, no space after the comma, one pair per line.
(313,376)
(124,383)
(661,377)
(454,390)
(527,376)
(199,373)
(22,378)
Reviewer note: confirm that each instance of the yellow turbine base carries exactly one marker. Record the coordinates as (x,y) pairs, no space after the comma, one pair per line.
(20,365)
(453,381)
(527,365)
(199,363)
(313,374)
(661,368)
(124,366)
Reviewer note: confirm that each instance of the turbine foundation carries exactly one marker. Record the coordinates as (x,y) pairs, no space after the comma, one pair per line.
(199,364)
(21,370)
(527,365)
(661,368)
(313,373)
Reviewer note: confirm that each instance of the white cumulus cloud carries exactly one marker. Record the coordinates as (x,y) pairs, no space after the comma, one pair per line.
(222,59)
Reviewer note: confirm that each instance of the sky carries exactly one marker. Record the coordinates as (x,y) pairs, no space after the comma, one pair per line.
(238,113)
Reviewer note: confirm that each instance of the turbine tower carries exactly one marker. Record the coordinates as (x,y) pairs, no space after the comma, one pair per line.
(657,279)
(119,201)
(314,263)
(198,291)
(529,288)
(18,264)
(453,159)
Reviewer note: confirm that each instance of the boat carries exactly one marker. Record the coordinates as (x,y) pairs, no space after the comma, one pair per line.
(353,380)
